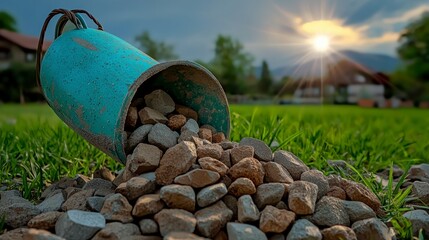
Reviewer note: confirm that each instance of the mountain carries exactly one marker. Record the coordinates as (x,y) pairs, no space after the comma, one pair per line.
(375,62)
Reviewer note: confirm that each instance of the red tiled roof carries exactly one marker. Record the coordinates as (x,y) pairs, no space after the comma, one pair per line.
(24,41)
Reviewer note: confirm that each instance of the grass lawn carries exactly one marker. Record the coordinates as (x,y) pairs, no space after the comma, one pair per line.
(37,148)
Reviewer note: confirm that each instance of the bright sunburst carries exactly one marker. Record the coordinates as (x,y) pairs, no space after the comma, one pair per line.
(321,43)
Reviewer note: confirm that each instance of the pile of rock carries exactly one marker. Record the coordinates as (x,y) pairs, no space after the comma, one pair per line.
(185,181)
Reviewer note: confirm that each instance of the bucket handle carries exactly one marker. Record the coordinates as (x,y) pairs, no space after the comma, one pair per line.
(71,16)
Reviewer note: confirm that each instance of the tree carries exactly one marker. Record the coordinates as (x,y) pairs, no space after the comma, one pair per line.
(414,51)
(155,49)
(265,82)
(231,64)
(7,21)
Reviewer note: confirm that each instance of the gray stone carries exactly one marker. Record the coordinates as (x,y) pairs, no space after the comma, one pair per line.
(178,196)
(330,211)
(176,160)
(269,194)
(210,150)
(148,226)
(302,197)
(52,203)
(420,220)
(246,209)
(291,162)
(117,208)
(175,220)
(162,136)
(182,236)
(277,237)
(176,122)
(191,125)
(421,191)
(145,158)
(358,211)
(45,220)
(147,205)
(359,192)
(132,117)
(187,136)
(198,178)
(79,225)
(231,202)
(339,164)
(274,220)
(397,172)
(205,134)
(338,232)
(98,183)
(139,135)
(241,152)
(304,230)
(241,231)
(211,194)
(151,116)
(228,145)
(95,203)
(212,219)
(371,228)
(317,177)
(160,101)
(117,230)
(275,172)
(261,150)
(419,172)
(212,164)
(18,214)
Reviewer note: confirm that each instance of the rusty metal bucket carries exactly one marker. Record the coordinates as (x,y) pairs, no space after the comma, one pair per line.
(89,78)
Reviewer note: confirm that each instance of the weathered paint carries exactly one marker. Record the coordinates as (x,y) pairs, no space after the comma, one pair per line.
(89,78)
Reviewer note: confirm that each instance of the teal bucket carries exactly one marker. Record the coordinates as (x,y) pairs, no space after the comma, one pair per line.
(89,78)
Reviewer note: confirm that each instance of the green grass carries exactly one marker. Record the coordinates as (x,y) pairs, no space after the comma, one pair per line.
(37,148)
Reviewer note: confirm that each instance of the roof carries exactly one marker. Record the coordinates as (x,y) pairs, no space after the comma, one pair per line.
(23,41)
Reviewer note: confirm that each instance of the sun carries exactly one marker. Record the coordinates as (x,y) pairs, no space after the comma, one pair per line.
(321,43)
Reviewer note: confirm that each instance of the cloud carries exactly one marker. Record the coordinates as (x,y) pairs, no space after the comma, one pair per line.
(407,16)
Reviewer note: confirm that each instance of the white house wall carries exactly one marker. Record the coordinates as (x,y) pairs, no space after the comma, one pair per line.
(364,91)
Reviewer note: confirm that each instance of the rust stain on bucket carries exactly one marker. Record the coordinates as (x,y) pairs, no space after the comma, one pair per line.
(84,43)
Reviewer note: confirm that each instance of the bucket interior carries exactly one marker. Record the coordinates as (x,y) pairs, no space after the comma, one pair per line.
(189,85)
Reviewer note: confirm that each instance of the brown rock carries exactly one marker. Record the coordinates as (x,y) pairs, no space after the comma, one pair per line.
(231,202)
(176,160)
(221,235)
(176,122)
(117,230)
(316,177)
(212,219)
(336,192)
(117,208)
(104,173)
(372,228)
(241,152)
(275,220)
(187,135)
(145,158)
(421,191)
(242,186)
(97,184)
(147,204)
(198,178)
(338,232)
(175,220)
(148,226)
(247,210)
(138,186)
(187,112)
(206,134)
(282,205)
(419,172)
(262,151)
(358,192)
(151,116)
(274,172)
(248,168)
(132,117)
(45,220)
(77,201)
(302,197)
(182,236)
(218,137)
(225,158)
(40,234)
(178,196)
(15,234)
(226,180)
(160,101)
(226,145)
(66,182)
(210,150)
(212,164)
(291,162)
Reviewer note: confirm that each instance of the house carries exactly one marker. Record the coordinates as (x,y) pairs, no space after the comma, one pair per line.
(346,82)
(18,48)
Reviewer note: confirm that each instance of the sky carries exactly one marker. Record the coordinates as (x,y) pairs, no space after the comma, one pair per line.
(280,32)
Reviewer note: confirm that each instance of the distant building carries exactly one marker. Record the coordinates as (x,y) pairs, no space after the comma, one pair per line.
(18,48)
(346,83)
